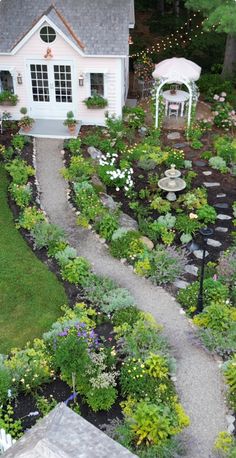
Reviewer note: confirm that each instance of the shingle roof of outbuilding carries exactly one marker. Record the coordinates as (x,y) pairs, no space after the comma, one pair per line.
(102,26)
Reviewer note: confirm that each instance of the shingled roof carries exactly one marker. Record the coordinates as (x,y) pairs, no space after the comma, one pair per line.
(100,26)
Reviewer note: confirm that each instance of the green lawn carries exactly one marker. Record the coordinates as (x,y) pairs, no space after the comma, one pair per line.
(30,295)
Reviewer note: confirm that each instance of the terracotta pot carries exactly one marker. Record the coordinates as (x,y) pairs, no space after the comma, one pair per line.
(72,129)
(26,128)
(7,103)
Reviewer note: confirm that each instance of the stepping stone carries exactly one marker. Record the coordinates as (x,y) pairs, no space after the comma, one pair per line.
(213,242)
(200,163)
(207,173)
(220,195)
(199,254)
(191,269)
(221,229)
(221,205)
(180,145)
(173,136)
(223,217)
(191,155)
(181,284)
(211,184)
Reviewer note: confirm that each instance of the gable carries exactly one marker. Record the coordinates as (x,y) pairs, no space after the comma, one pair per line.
(100,26)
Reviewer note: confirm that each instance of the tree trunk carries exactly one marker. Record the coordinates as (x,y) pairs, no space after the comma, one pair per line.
(229,66)
(161,7)
(176,4)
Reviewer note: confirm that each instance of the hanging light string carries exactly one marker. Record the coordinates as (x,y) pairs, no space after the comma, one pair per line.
(179,38)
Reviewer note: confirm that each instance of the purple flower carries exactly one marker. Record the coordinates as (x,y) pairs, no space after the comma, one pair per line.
(63,333)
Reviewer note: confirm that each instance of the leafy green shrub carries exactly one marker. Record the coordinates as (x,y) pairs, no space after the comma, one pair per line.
(7,422)
(96,101)
(127,315)
(226,268)
(194,199)
(30,217)
(176,157)
(230,375)
(160,204)
(88,201)
(65,255)
(207,214)
(45,405)
(134,116)
(210,84)
(76,271)
(46,235)
(213,291)
(95,288)
(218,163)
(74,145)
(101,398)
(107,225)
(22,194)
(19,171)
(206,155)
(226,148)
(186,225)
(127,245)
(6,153)
(18,142)
(217,316)
(30,367)
(116,299)
(167,264)
(80,169)
(167,220)
(223,343)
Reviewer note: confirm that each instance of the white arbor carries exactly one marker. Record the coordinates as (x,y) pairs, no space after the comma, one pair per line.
(180,71)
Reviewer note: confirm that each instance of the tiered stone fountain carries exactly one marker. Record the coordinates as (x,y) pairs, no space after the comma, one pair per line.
(172,183)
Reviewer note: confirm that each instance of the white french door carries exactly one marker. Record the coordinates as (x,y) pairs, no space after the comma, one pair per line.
(52,91)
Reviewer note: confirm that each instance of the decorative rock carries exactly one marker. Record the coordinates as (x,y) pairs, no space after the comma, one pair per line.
(108,202)
(98,184)
(223,217)
(231,428)
(146,241)
(181,284)
(94,153)
(207,173)
(200,163)
(214,243)
(230,419)
(173,136)
(221,195)
(223,205)
(127,222)
(211,184)
(221,229)
(191,269)
(143,130)
(179,145)
(199,254)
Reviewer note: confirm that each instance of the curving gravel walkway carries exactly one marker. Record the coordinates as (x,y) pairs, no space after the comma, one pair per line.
(199,383)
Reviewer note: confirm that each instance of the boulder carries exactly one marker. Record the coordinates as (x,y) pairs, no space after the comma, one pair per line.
(127,222)
(94,153)
(108,202)
(98,184)
(147,242)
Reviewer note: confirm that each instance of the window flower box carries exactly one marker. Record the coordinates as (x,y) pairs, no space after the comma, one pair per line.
(96,102)
(8,99)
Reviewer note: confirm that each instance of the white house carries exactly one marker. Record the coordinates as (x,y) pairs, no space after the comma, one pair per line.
(55,54)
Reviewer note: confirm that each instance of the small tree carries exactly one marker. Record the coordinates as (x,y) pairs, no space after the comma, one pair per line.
(222,15)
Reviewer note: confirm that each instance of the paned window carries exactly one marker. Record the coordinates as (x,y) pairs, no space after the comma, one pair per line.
(47,34)
(97,83)
(63,83)
(39,79)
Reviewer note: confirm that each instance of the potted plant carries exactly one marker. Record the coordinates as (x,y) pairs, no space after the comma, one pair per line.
(25,122)
(96,101)
(70,122)
(7,98)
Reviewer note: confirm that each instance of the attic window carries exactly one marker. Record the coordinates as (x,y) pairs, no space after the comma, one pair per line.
(47,34)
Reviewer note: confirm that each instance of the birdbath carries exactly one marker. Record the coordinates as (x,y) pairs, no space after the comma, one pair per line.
(172,183)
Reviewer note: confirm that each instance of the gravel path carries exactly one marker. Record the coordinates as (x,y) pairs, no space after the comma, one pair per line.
(199,383)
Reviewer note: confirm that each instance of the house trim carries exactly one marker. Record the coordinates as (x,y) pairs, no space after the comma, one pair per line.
(34,29)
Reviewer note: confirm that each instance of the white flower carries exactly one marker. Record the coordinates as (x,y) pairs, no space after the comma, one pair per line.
(216,97)
(117,189)
(223,94)
(221,99)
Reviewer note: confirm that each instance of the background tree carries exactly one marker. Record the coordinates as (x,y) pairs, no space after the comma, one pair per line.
(222,15)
